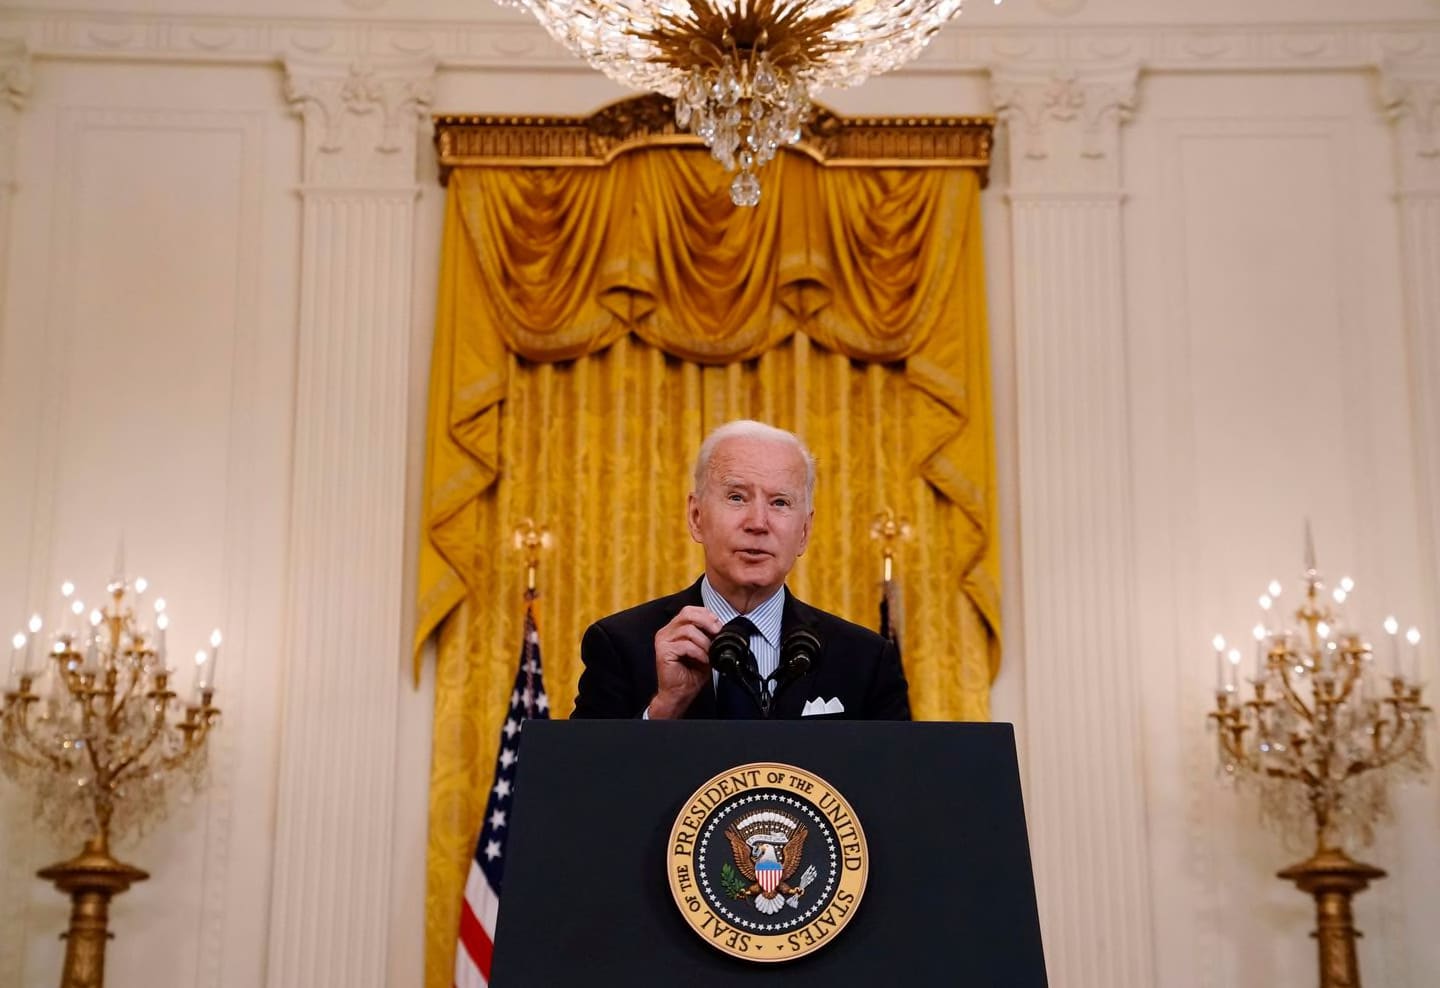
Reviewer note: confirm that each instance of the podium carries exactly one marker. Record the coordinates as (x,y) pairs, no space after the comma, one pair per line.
(949,897)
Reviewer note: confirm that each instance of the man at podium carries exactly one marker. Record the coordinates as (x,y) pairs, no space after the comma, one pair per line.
(737,644)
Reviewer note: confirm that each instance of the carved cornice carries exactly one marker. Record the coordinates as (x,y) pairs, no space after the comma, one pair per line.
(1410,91)
(1064,126)
(362,118)
(508,42)
(649,120)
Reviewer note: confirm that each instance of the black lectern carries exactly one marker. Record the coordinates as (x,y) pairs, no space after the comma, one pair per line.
(950,897)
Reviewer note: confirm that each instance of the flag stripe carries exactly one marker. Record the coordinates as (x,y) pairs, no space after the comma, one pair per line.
(475,942)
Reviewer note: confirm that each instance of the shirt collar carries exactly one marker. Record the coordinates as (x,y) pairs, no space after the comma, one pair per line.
(766,617)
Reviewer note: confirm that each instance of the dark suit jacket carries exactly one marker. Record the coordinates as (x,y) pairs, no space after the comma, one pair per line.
(855,664)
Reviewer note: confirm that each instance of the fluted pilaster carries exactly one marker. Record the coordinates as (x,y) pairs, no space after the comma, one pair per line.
(1085,798)
(14,85)
(331,896)
(1412,101)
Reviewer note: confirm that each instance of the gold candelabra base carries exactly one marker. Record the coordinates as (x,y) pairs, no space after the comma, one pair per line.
(91,879)
(1333,878)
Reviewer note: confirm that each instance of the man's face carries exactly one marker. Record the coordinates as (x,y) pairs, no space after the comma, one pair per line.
(752,517)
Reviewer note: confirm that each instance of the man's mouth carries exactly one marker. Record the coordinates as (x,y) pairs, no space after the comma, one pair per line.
(753,553)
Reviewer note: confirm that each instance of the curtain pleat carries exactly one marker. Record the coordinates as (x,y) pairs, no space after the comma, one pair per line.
(594,325)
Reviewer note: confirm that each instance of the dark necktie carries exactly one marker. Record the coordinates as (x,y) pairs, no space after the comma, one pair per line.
(732,700)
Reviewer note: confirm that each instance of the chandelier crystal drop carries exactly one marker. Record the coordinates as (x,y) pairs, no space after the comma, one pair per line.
(742,72)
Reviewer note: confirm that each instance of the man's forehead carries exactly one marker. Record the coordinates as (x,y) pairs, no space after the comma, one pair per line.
(746,459)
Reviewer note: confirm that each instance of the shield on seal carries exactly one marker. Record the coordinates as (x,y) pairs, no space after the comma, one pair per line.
(767,873)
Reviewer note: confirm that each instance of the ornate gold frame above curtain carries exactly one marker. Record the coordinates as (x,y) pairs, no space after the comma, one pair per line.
(602,305)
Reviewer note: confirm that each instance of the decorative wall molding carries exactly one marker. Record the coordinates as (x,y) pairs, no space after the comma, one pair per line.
(1064,126)
(14,87)
(362,118)
(1411,96)
(55,421)
(508,42)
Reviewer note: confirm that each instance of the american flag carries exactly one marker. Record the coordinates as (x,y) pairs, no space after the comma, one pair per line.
(487,869)
(889,614)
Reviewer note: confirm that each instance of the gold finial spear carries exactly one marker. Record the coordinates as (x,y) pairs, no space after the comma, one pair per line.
(888,529)
(531,540)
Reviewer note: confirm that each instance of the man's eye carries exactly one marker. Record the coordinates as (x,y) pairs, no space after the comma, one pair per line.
(780,502)
(734,498)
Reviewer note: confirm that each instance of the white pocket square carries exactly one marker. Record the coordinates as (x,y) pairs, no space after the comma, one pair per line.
(820,705)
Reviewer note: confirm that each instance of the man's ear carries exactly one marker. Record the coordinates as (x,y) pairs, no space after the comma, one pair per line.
(805,532)
(692,517)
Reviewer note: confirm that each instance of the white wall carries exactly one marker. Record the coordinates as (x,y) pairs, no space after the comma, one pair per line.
(1259,347)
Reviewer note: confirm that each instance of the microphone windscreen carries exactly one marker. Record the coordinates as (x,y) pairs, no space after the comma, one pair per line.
(798,652)
(726,650)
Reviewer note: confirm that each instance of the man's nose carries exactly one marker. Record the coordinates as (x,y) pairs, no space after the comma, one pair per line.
(757,516)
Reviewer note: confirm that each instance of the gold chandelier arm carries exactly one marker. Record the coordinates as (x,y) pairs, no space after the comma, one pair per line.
(17,726)
(1292,698)
(1295,775)
(157,726)
(196,728)
(1406,737)
(136,675)
(1352,661)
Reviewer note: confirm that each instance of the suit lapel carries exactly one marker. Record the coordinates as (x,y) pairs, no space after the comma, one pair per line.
(791,700)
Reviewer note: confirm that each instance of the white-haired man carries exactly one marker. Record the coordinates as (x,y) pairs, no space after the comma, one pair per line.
(751,510)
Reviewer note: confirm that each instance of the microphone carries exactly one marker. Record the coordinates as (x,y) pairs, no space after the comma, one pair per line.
(727,653)
(798,654)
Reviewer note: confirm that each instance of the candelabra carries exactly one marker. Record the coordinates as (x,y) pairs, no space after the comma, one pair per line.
(94,730)
(1320,737)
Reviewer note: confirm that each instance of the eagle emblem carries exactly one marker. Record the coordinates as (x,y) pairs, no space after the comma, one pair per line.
(767,848)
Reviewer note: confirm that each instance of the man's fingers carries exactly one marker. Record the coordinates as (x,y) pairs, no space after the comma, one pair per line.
(698,617)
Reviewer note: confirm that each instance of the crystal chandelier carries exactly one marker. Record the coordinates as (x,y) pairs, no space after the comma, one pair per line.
(1326,727)
(742,72)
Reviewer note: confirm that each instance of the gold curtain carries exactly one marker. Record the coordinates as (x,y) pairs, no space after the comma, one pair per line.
(595,323)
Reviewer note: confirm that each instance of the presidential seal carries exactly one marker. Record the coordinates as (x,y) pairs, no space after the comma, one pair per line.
(767,862)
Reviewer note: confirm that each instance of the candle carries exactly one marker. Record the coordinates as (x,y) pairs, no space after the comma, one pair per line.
(162,621)
(35,625)
(1413,637)
(215,640)
(19,657)
(1392,628)
(1259,632)
(117,582)
(1232,674)
(203,671)
(1219,642)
